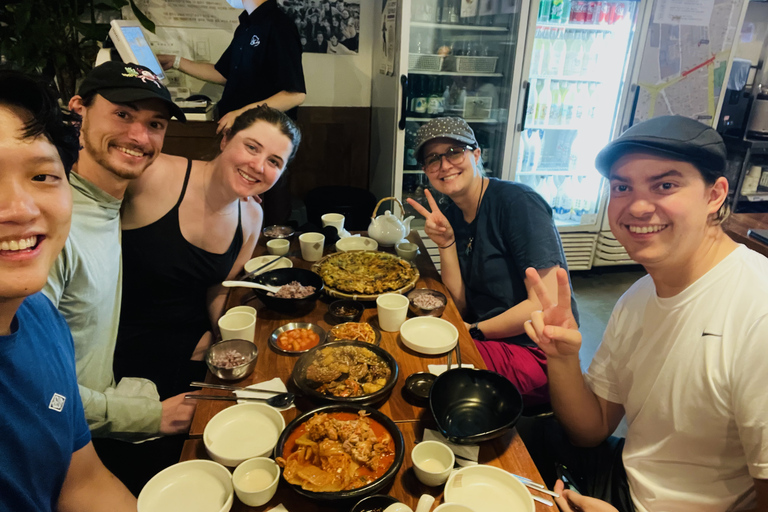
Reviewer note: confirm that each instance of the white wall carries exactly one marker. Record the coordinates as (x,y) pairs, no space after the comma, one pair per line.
(332,80)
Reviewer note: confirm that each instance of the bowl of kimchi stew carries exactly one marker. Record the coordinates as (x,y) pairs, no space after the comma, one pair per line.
(352,372)
(340,452)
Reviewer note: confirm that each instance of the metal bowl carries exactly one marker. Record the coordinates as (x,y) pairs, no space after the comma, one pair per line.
(360,492)
(376,333)
(277,231)
(420,311)
(289,327)
(281,276)
(336,312)
(308,388)
(244,347)
(471,406)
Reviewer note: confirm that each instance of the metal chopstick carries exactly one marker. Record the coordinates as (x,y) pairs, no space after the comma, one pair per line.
(232,388)
(458,353)
(450,354)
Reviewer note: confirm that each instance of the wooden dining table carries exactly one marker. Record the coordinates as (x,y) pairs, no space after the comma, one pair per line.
(507,452)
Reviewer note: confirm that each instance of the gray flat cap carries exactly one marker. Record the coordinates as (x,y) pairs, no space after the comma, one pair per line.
(676,137)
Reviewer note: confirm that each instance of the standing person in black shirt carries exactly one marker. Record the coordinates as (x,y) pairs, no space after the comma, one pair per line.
(262,65)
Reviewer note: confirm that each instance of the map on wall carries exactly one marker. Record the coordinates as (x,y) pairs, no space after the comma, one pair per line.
(685,58)
(325,26)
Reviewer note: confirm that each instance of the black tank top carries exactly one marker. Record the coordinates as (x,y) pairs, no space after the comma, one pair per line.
(164,306)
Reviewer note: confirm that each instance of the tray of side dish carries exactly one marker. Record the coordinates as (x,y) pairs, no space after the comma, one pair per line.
(365,275)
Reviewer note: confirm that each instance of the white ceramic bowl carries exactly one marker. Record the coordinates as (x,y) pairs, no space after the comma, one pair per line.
(356,243)
(242,432)
(429,335)
(487,488)
(200,485)
(258,261)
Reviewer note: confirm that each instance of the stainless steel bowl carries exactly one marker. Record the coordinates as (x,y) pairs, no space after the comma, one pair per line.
(276,231)
(420,311)
(244,347)
(295,325)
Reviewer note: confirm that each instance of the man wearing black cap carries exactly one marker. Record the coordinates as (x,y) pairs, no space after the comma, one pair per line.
(684,352)
(125,112)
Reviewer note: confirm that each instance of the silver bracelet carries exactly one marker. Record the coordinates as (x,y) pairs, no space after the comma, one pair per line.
(177,62)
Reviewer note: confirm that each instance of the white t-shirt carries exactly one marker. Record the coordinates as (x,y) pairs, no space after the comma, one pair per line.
(690,371)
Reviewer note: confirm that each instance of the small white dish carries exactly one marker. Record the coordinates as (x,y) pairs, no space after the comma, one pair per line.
(432,462)
(255,480)
(258,261)
(356,243)
(242,432)
(429,335)
(201,485)
(487,488)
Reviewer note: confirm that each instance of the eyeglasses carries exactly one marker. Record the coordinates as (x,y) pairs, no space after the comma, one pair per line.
(454,155)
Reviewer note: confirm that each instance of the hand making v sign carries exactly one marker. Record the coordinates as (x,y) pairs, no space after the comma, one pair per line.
(437,227)
(554,329)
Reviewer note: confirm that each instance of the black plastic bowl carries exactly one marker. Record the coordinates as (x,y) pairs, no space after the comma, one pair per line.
(471,406)
(281,276)
(307,388)
(373,502)
(354,494)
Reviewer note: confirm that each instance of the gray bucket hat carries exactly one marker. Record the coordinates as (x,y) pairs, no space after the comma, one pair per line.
(454,128)
(676,137)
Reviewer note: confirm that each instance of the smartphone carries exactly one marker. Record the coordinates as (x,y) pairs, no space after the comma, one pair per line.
(565,475)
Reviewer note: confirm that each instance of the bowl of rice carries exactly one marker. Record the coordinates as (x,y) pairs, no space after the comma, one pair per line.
(426,302)
(232,359)
(298,293)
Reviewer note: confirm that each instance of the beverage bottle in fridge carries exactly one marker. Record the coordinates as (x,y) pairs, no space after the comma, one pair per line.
(462,100)
(605,13)
(574,159)
(596,51)
(543,104)
(535,144)
(563,202)
(582,102)
(536,52)
(447,98)
(588,44)
(574,55)
(557,54)
(582,199)
(556,105)
(521,154)
(556,11)
(546,46)
(578,11)
(420,98)
(594,100)
(435,98)
(530,108)
(551,189)
(545,8)
(566,11)
(567,102)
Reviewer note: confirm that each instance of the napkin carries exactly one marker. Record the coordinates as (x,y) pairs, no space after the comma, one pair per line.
(466,455)
(437,369)
(275,384)
(279,508)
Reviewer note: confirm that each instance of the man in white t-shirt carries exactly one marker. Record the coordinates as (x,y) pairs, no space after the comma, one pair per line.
(684,353)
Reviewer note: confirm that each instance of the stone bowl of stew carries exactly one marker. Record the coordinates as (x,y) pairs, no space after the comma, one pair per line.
(347,372)
(377,466)
(299,292)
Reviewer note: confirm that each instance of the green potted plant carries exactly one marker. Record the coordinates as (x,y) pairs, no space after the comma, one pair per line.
(58,38)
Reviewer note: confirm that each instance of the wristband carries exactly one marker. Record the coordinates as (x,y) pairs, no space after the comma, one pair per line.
(177,62)
(447,246)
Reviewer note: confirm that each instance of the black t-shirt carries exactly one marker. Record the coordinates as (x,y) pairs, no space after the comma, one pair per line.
(263,59)
(513,230)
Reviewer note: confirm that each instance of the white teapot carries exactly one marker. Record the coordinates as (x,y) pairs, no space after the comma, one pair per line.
(388,229)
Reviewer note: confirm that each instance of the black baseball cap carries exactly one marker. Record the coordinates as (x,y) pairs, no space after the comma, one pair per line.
(124,82)
(675,137)
(454,128)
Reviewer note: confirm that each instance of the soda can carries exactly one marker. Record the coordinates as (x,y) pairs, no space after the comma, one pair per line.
(618,12)
(578,11)
(593,13)
(604,14)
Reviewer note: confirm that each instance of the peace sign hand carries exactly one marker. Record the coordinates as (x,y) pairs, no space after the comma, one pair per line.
(437,227)
(554,328)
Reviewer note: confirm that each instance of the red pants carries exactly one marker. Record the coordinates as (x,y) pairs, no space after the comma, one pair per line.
(526,367)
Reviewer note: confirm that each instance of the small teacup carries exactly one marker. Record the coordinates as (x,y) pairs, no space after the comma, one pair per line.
(407,250)
(312,245)
(278,246)
(242,309)
(432,462)
(255,480)
(333,219)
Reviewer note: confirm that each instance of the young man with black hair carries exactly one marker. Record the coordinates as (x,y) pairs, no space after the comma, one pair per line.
(47,461)
(683,355)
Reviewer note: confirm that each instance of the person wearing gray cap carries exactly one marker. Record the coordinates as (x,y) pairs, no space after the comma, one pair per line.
(125,112)
(488,232)
(683,355)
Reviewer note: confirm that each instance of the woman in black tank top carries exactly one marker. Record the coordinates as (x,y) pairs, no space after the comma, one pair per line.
(174,262)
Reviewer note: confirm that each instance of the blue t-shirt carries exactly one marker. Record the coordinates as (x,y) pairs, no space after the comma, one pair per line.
(41,417)
(512,231)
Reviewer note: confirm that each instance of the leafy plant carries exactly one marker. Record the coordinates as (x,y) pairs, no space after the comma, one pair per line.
(58,38)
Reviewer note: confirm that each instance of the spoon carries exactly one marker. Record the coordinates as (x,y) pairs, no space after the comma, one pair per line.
(247,284)
(281,400)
